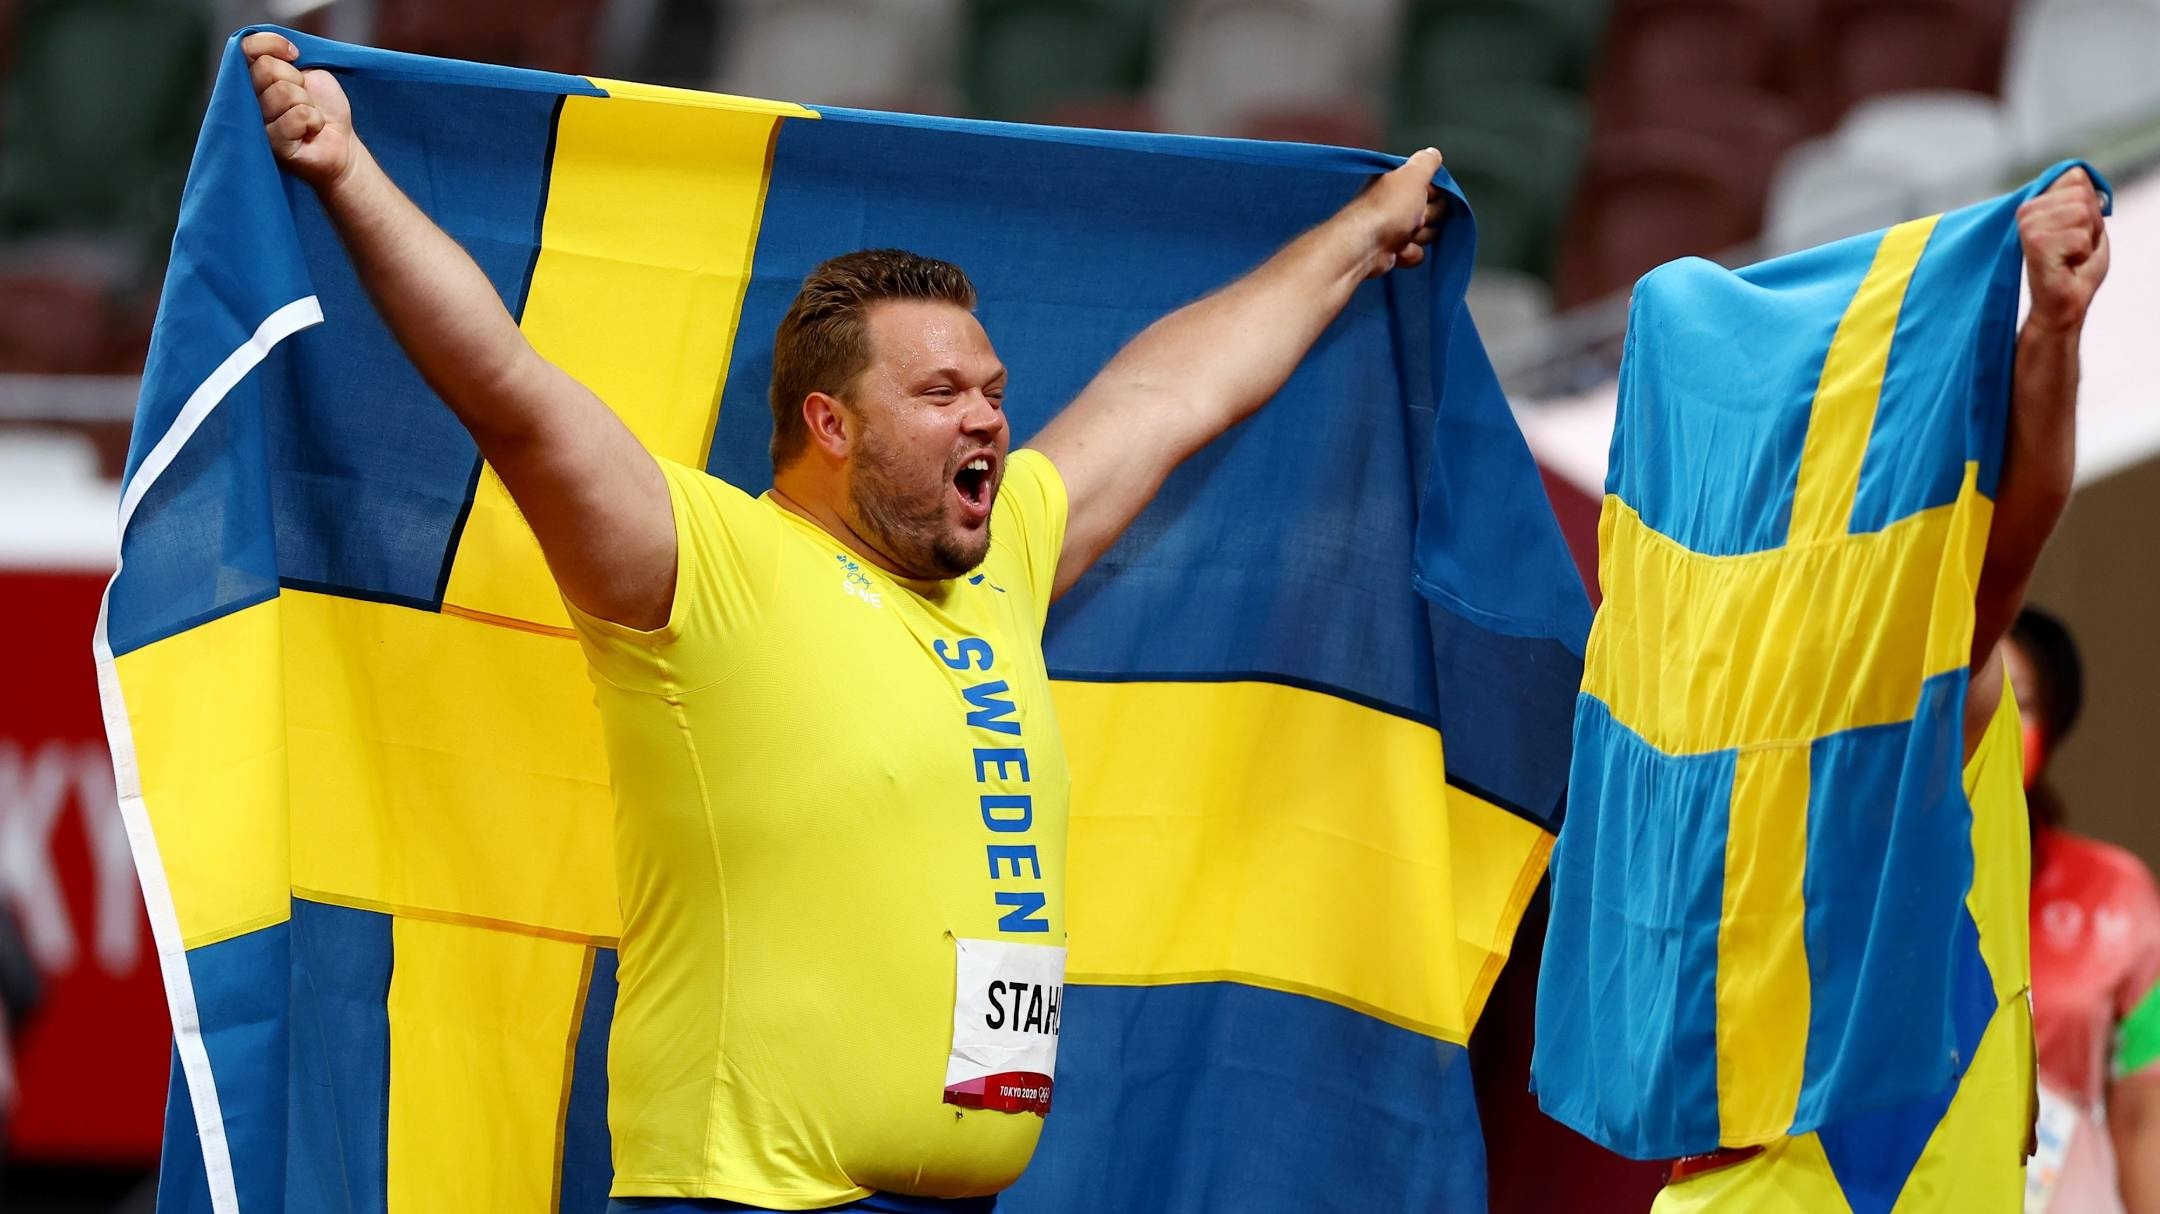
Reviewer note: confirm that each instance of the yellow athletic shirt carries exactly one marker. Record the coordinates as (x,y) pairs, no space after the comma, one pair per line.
(827,779)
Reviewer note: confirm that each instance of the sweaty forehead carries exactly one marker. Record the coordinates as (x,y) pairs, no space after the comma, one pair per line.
(910,337)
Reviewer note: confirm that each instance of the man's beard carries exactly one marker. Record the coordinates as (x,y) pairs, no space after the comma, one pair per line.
(909,527)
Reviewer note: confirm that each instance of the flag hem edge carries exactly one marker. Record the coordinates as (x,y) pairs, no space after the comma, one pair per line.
(189,1047)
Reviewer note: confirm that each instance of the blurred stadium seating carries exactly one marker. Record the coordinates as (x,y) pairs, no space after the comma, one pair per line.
(2078,68)
(1029,60)
(559,35)
(1862,48)
(879,54)
(90,174)
(1596,137)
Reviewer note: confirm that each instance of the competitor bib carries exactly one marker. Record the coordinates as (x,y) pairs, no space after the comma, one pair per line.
(1006,1005)
(2052,1132)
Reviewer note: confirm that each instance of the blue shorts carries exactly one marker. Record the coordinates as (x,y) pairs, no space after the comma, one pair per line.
(876,1203)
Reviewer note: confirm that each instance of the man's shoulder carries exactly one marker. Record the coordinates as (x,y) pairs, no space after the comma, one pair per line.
(690,476)
(1027,524)
(707,500)
(1033,474)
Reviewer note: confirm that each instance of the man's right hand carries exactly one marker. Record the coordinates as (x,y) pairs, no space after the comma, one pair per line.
(304,113)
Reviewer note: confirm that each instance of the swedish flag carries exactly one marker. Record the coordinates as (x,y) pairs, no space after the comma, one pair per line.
(1760,902)
(356,742)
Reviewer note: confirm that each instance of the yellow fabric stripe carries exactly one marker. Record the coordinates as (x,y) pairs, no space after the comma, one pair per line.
(423,780)
(1762,974)
(1974,1162)
(477,1025)
(1957,579)
(1499,944)
(1765,631)
(1850,386)
(2001,895)
(1285,839)
(303,745)
(654,200)
(633,90)
(1791,1176)
(208,711)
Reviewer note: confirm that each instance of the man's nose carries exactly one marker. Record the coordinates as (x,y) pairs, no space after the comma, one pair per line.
(984,417)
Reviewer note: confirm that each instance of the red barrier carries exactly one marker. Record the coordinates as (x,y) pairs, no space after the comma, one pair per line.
(92,1063)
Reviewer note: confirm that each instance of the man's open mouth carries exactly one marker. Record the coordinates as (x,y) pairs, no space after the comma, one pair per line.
(973,482)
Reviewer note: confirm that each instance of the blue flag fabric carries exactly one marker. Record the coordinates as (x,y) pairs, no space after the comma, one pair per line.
(1316,700)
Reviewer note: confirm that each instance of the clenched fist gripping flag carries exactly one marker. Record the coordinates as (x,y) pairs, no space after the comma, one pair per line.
(1316,701)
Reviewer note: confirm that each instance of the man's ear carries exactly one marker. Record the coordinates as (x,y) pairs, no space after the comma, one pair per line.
(829,424)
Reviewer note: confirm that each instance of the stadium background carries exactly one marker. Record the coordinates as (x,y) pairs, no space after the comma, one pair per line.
(1597,139)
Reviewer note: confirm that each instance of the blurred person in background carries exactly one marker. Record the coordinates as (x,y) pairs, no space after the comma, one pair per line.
(20,989)
(2095,966)
(87,169)
(99,104)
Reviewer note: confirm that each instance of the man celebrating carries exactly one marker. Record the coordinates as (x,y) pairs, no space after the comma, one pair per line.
(840,791)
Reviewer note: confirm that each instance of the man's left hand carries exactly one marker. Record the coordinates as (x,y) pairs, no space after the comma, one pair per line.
(2066,251)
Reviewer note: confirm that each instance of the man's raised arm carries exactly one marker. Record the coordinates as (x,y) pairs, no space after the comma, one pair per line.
(1200,370)
(589,490)
(2066,258)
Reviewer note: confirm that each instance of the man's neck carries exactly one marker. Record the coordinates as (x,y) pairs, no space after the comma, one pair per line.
(821,512)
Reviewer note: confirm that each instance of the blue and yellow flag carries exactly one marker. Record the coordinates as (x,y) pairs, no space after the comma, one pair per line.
(1760,921)
(357,745)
